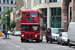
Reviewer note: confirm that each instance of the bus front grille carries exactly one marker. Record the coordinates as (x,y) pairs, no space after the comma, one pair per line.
(29,36)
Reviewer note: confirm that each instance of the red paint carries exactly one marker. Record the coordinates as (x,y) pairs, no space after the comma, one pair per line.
(38,21)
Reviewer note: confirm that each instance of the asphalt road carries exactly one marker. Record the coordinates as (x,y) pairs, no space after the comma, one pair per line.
(14,43)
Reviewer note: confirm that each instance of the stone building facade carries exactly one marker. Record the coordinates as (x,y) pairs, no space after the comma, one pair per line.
(68,5)
(3,5)
(19,5)
(56,13)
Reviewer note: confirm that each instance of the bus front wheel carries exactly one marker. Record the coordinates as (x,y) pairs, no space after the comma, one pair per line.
(22,40)
(37,40)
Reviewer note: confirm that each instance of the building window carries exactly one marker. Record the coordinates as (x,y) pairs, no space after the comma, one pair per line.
(56,22)
(56,17)
(4,8)
(55,0)
(70,0)
(7,1)
(0,8)
(44,12)
(14,7)
(3,28)
(55,11)
(52,1)
(15,1)
(0,1)
(0,26)
(40,1)
(3,1)
(45,1)
(0,16)
(11,1)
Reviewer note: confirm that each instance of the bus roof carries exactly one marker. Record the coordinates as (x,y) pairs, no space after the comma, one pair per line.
(30,10)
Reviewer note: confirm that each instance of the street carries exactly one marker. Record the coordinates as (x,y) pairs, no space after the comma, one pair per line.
(14,43)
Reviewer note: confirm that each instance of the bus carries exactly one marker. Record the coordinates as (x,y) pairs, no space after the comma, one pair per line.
(31,25)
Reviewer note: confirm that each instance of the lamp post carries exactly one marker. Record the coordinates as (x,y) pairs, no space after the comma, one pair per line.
(6,25)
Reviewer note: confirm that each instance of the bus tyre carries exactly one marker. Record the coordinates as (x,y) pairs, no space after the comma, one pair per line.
(22,40)
(40,40)
(27,40)
(37,40)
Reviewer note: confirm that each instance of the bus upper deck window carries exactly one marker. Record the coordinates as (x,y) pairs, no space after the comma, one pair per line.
(25,14)
(33,14)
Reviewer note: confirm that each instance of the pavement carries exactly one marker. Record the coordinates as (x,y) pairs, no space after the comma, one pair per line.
(14,43)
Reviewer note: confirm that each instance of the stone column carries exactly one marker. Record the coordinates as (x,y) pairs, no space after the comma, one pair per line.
(2,1)
(9,1)
(48,17)
(42,1)
(73,11)
(32,3)
(5,1)
(65,15)
(13,1)
(1,8)
(47,1)
(26,4)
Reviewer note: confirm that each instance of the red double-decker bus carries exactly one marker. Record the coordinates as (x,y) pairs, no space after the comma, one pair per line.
(31,25)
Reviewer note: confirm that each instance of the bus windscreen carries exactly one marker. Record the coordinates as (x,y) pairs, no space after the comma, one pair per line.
(30,27)
(25,14)
(33,15)
(25,28)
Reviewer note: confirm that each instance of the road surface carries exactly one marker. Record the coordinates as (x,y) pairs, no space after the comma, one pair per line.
(14,43)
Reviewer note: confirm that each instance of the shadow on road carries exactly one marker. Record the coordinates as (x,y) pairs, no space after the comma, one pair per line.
(6,38)
(72,47)
(31,42)
(53,43)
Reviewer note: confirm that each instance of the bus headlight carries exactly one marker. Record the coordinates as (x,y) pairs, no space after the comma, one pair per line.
(35,35)
(22,35)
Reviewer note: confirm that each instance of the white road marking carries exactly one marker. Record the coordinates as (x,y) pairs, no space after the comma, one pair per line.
(17,46)
(30,49)
(60,46)
(68,48)
(9,42)
(22,49)
(2,42)
(64,47)
(12,44)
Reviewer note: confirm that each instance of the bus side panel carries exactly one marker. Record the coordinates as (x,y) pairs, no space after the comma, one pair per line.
(41,28)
